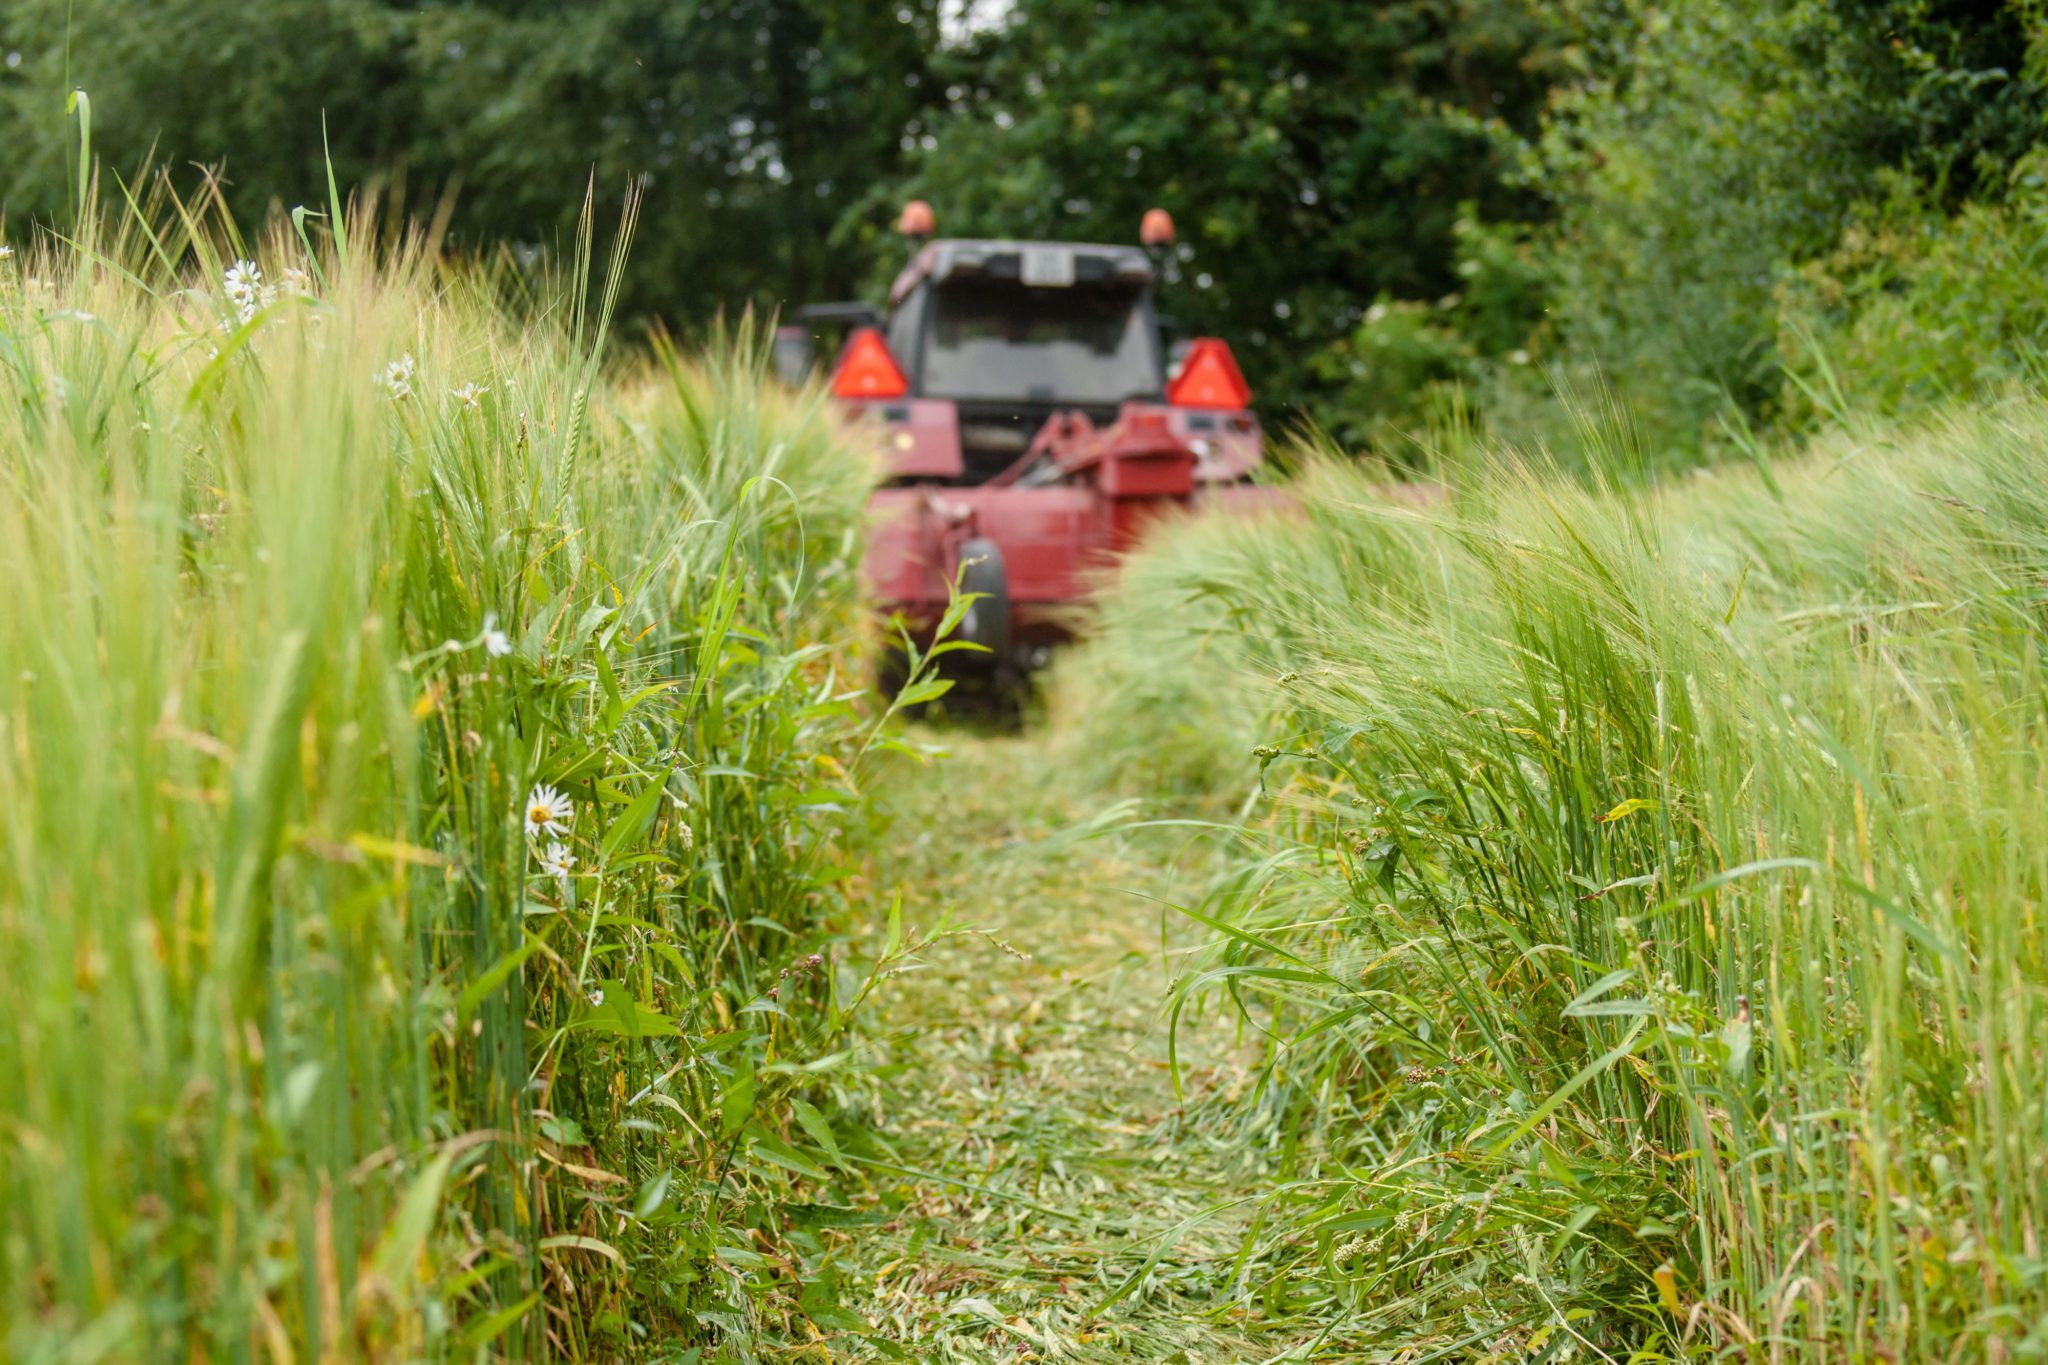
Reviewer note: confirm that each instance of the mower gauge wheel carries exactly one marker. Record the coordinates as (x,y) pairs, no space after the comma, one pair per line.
(987,622)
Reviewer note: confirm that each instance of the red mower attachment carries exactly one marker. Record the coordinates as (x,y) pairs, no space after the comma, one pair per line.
(1032,427)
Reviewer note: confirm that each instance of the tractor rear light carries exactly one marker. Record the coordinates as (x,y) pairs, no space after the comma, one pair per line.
(1209,378)
(917,220)
(867,370)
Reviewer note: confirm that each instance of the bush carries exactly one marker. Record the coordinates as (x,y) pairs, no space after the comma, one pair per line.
(1915,307)
(1710,150)
(1410,366)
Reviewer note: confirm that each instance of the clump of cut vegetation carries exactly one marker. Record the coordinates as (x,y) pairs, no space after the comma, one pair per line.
(1641,897)
(430,779)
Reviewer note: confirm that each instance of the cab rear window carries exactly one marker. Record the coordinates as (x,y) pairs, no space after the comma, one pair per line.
(996,339)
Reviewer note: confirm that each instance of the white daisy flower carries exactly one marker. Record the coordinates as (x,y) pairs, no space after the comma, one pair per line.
(497,643)
(397,376)
(5,251)
(297,281)
(556,862)
(470,395)
(548,812)
(242,280)
(596,998)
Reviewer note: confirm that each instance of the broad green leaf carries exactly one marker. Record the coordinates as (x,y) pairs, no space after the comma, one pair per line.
(615,704)
(736,1104)
(776,1152)
(814,1125)
(487,1330)
(570,1241)
(1630,807)
(622,1015)
(1586,997)
(494,976)
(397,1256)
(632,821)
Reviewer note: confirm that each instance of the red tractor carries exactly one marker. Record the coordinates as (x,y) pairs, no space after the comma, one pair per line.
(1034,419)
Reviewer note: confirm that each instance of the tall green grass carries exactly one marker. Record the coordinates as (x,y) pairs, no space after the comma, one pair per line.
(1641,905)
(307,1054)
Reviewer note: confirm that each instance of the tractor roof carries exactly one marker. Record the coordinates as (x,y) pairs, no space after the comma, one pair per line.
(1000,259)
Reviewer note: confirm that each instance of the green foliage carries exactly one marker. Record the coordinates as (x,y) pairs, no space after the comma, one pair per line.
(1708,150)
(1636,896)
(1314,156)
(1915,308)
(316,1040)
(748,127)
(1410,363)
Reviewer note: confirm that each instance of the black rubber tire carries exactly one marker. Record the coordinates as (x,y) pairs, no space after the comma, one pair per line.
(987,622)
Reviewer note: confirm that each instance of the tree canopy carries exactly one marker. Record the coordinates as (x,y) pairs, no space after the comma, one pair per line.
(1313,157)
(1385,208)
(750,124)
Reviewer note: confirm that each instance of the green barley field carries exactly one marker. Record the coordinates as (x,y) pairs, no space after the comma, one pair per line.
(1635,898)
(432,753)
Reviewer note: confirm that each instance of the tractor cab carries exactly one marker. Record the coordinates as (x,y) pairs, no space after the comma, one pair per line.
(1010,333)
(1033,415)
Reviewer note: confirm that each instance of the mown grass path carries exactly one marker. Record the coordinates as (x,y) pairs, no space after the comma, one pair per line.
(1062,1206)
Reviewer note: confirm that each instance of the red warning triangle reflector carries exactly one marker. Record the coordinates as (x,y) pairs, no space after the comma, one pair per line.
(1209,378)
(866,369)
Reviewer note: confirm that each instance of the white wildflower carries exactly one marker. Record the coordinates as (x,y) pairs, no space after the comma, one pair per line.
(596,998)
(556,863)
(470,395)
(296,281)
(497,643)
(548,812)
(5,251)
(243,284)
(242,281)
(397,376)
